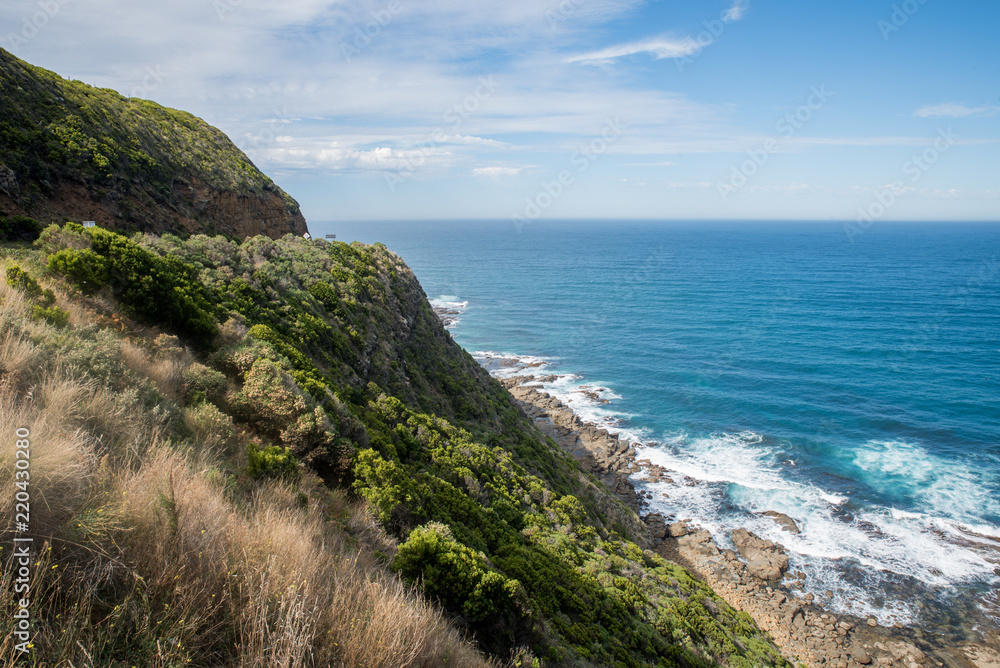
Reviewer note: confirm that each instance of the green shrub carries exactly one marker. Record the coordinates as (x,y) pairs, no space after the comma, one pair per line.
(20,279)
(154,289)
(19,228)
(53,315)
(268,400)
(210,426)
(458,576)
(271,461)
(84,268)
(204,384)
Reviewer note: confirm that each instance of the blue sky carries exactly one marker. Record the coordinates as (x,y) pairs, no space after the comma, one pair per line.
(535,109)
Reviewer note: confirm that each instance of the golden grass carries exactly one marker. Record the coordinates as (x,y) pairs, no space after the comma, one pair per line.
(165,370)
(147,559)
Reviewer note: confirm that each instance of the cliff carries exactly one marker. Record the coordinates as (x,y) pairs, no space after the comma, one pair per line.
(69,151)
(316,416)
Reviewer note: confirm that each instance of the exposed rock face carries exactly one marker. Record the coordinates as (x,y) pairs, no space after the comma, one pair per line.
(657,526)
(766,560)
(248,215)
(8,181)
(198,208)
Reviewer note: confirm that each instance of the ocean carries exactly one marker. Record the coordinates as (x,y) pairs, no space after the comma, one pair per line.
(852,384)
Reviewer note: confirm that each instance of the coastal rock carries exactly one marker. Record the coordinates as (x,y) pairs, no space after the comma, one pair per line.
(698,543)
(765,559)
(860,655)
(678,529)
(657,526)
(786,522)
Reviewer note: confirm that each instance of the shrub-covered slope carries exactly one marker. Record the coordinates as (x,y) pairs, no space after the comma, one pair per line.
(327,358)
(72,151)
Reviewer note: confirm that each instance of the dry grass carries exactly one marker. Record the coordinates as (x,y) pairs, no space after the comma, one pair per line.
(165,369)
(145,558)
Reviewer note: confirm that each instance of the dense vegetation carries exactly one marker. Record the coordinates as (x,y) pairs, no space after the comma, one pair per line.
(19,228)
(132,154)
(326,358)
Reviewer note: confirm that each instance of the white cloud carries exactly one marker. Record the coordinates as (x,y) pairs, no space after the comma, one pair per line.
(954,110)
(497,173)
(737,11)
(335,157)
(650,164)
(658,47)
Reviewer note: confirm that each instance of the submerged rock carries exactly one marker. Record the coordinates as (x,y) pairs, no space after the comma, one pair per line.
(786,522)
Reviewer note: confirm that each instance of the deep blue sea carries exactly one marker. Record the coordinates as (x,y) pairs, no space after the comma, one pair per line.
(853,385)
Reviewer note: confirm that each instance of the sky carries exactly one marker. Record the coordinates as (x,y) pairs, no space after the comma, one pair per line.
(856,110)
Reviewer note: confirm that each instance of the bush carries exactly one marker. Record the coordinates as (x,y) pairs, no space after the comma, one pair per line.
(157,290)
(19,228)
(20,279)
(84,268)
(271,461)
(53,315)
(268,400)
(204,384)
(209,425)
(457,576)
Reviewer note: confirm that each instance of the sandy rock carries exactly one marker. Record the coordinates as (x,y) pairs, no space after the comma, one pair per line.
(860,655)
(678,529)
(765,559)
(982,657)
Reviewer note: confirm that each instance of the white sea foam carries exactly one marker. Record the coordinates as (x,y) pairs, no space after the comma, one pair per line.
(449,308)
(952,489)
(854,549)
(736,477)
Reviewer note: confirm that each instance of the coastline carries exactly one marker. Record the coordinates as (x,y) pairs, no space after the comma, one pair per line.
(755,577)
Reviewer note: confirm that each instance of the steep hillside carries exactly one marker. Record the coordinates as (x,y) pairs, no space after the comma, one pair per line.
(69,151)
(308,359)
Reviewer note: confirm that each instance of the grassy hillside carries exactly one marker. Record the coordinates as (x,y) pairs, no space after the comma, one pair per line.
(67,148)
(313,425)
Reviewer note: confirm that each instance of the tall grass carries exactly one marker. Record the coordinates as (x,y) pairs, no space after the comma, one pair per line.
(147,556)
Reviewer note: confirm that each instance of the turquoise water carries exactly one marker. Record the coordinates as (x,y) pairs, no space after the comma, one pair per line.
(854,386)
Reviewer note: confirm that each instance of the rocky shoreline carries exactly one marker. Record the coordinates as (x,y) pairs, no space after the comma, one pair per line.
(755,577)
